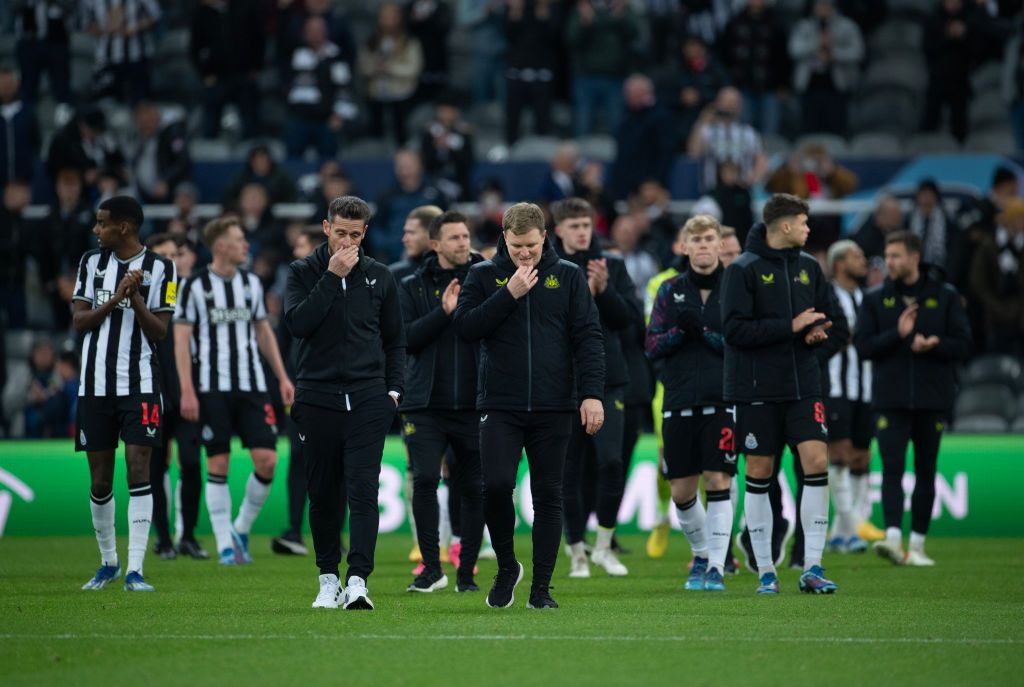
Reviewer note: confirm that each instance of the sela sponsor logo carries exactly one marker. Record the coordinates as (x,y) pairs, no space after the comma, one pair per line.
(751,441)
(104,295)
(223,315)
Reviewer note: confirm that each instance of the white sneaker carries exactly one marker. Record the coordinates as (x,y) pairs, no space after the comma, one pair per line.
(330,592)
(890,550)
(607,559)
(356,598)
(918,559)
(578,557)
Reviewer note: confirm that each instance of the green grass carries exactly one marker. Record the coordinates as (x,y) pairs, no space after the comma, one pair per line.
(957,624)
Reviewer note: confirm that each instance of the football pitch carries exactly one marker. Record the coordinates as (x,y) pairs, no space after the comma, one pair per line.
(959,623)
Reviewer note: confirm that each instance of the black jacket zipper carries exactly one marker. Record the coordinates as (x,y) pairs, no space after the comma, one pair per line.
(529,358)
(792,350)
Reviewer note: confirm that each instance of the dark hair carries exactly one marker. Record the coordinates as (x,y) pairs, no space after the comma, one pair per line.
(1003,175)
(314,233)
(71,358)
(910,240)
(124,209)
(784,205)
(216,228)
(571,208)
(929,185)
(165,236)
(348,207)
(450,217)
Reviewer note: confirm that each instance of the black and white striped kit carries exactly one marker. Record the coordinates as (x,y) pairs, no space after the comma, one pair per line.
(849,376)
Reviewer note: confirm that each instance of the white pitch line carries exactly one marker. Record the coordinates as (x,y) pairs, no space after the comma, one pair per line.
(529,638)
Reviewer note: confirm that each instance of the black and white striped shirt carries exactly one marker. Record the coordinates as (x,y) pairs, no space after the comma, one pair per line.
(729,142)
(849,376)
(118,359)
(222,311)
(117,49)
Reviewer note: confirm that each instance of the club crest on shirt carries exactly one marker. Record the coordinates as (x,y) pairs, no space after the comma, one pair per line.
(804,278)
(207,433)
(883,422)
(409,429)
(552,282)
(767,279)
(81,437)
(147,278)
(619,405)
(931,303)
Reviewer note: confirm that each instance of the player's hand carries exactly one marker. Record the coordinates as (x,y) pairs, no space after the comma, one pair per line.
(189,407)
(908,318)
(923,344)
(689,321)
(343,261)
(818,334)
(522,281)
(806,319)
(287,392)
(597,275)
(450,297)
(592,415)
(128,286)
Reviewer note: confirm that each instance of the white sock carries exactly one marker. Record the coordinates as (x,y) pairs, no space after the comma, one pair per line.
(179,520)
(140,517)
(103,522)
(256,490)
(758,511)
(718,527)
(894,537)
(916,541)
(693,521)
(604,538)
(814,517)
(859,498)
(842,501)
(734,494)
(444,519)
(218,504)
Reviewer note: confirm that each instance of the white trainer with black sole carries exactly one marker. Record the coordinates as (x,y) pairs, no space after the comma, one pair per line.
(579,566)
(330,592)
(356,598)
(606,558)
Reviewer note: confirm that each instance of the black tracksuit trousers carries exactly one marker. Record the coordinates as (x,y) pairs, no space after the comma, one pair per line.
(545,436)
(344,447)
(900,427)
(432,433)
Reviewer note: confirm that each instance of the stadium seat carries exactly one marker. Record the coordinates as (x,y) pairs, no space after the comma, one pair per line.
(533,148)
(205,150)
(926,144)
(896,35)
(901,72)
(418,119)
(886,110)
(7,42)
(835,145)
(910,8)
(368,149)
(490,147)
(987,78)
(1001,142)
(598,147)
(995,369)
(981,424)
(18,344)
(173,44)
(775,144)
(876,145)
(988,108)
(489,115)
(986,399)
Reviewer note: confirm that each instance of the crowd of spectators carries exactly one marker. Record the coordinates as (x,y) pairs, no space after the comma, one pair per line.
(711,80)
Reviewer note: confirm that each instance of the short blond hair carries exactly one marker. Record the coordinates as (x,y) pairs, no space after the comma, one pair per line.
(698,224)
(522,218)
(728,231)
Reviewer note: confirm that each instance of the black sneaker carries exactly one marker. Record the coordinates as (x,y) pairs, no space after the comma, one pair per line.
(466,585)
(165,551)
(781,532)
(289,544)
(192,549)
(502,594)
(430,580)
(540,597)
(744,545)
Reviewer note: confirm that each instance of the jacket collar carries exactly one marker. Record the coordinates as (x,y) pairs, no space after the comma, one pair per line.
(757,243)
(548,256)
(580,257)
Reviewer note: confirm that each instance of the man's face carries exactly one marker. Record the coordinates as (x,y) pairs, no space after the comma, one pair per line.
(302,248)
(730,250)
(926,200)
(798,230)
(854,264)
(415,238)
(167,249)
(899,261)
(233,246)
(69,187)
(453,243)
(342,233)
(525,249)
(8,85)
(889,215)
(253,201)
(408,169)
(107,231)
(703,249)
(147,120)
(576,233)
(17,196)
